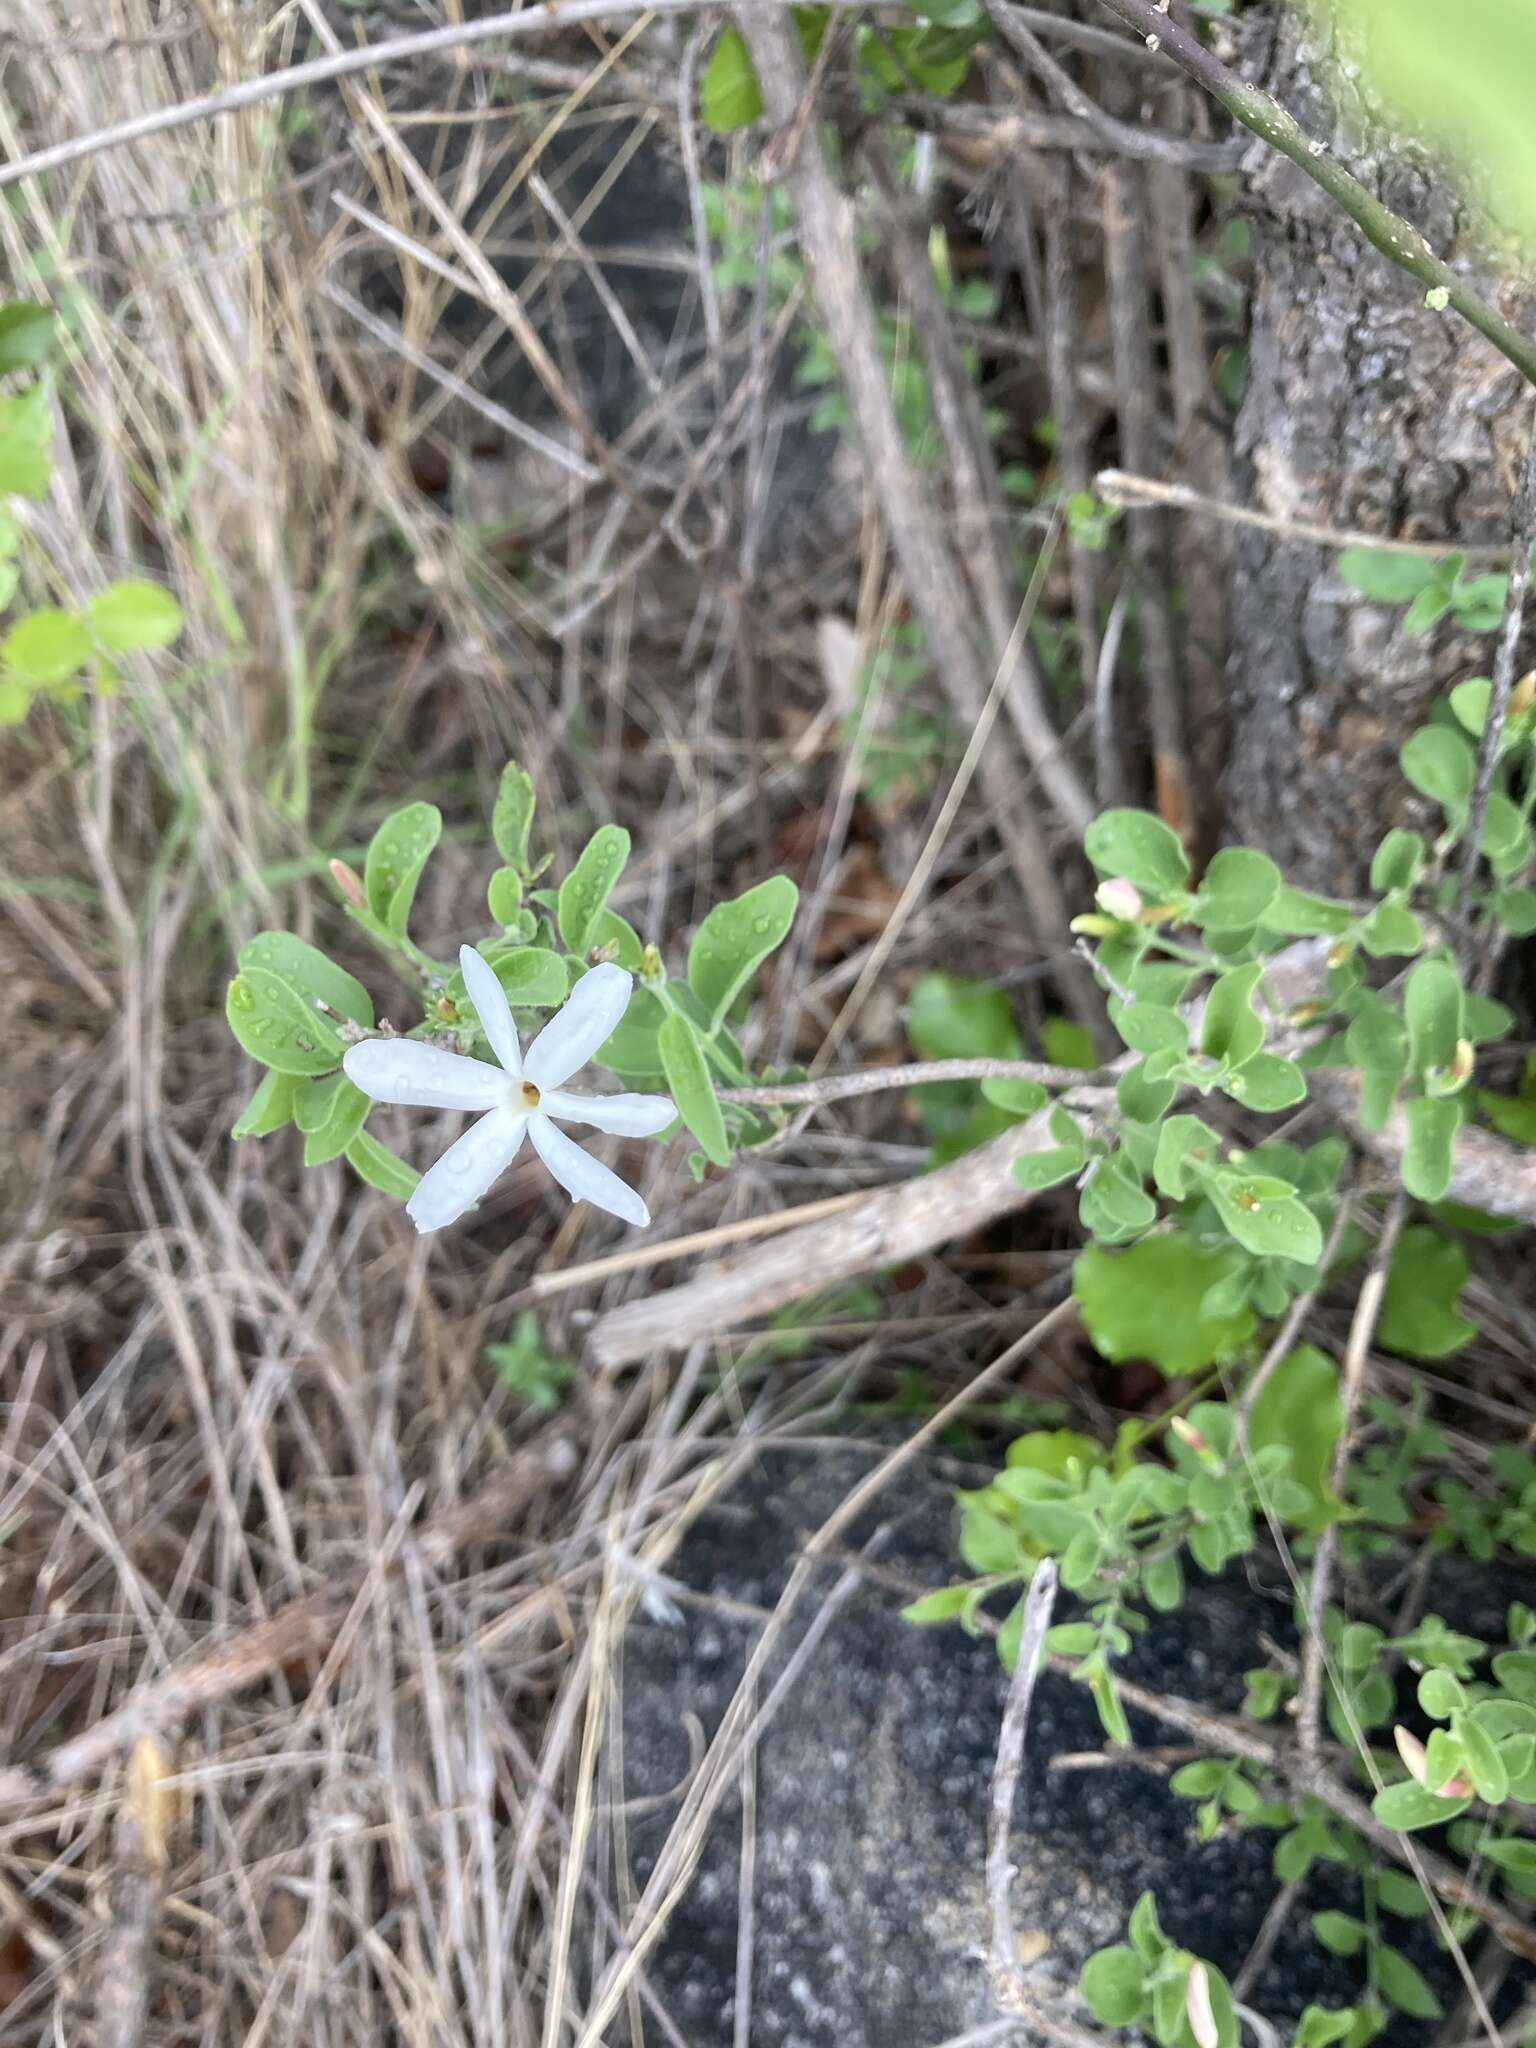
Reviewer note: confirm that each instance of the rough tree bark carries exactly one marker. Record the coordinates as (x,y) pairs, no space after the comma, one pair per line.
(1365,409)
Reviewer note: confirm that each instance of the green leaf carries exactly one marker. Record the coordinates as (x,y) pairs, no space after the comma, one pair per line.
(729,96)
(269,1109)
(1441,1694)
(1149,1027)
(617,940)
(1426,608)
(1114,1205)
(307,971)
(1140,847)
(47,646)
(736,938)
(1147,1302)
(1144,1099)
(1429,1155)
(512,817)
(1419,1311)
(1040,1170)
(1377,1040)
(1232,1030)
(1072,1639)
(1515,910)
(1145,1930)
(312,1102)
(1267,1082)
(1408,1806)
(1398,861)
(1068,1044)
(397,853)
(1299,1407)
(1019,1098)
(585,891)
(1185,1147)
(1485,1766)
(1440,764)
(26,435)
(348,1113)
(1391,931)
(1469,703)
(128,616)
(1298,913)
(1114,1984)
(1320,2028)
(1399,1981)
(26,332)
(533,977)
(1384,575)
(1401,1894)
(683,1063)
(275,1025)
(1266,1216)
(945,1605)
(1432,1009)
(1238,887)
(381,1168)
(1339,1933)
(504,896)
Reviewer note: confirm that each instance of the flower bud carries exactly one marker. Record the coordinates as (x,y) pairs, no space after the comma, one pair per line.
(350,883)
(1122,899)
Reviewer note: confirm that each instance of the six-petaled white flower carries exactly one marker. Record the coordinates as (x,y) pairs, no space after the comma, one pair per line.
(519,1097)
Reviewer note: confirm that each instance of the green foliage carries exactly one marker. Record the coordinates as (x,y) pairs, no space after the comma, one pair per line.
(951,1018)
(45,651)
(296,1011)
(933,55)
(1151,1302)
(1432,586)
(529,1368)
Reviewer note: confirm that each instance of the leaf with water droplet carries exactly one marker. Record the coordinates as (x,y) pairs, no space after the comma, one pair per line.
(307,971)
(585,891)
(1266,1216)
(532,977)
(735,939)
(275,1025)
(397,853)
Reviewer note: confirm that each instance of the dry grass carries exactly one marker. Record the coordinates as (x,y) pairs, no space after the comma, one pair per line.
(226,1386)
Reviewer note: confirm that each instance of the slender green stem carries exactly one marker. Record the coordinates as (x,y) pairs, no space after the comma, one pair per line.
(1263,115)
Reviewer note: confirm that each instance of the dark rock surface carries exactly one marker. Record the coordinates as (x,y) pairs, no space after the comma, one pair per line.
(872,1789)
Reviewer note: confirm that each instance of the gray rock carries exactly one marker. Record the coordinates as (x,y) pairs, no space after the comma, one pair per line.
(872,1788)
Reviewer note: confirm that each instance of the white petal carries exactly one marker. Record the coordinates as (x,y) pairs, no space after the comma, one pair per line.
(467,1169)
(591,1014)
(422,1076)
(490,1001)
(584,1178)
(626,1116)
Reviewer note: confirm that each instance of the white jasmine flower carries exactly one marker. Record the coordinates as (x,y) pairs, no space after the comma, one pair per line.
(520,1097)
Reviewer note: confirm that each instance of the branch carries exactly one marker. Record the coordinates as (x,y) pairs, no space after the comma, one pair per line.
(1007,1991)
(1263,114)
(915,1074)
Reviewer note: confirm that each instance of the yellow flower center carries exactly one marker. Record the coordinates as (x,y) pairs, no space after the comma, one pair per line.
(529,1095)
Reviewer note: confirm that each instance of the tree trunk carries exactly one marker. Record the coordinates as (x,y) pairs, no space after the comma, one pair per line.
(1366,410)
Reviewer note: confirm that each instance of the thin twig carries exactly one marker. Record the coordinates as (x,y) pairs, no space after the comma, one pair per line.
(1124,489)
(915,1074)
(1362,1328)
(1007,1991)
(341,63)
(1504,665)
(1261,113)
